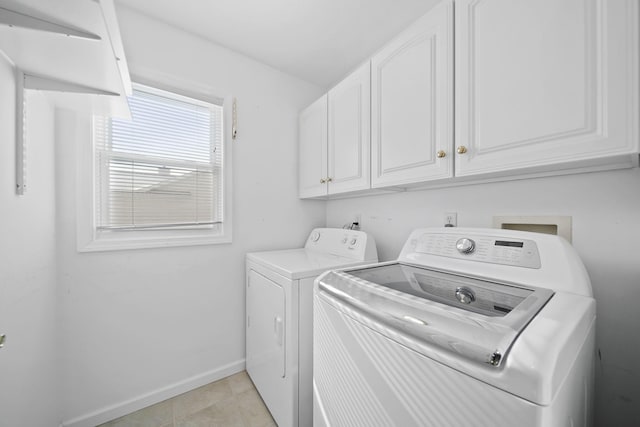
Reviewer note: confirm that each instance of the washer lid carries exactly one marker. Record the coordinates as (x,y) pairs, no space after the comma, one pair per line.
(475,318)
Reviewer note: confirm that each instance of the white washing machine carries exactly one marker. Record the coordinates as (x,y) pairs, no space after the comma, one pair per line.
(280,316)
(469,327)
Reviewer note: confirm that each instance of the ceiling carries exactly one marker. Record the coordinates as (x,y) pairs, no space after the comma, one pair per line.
(319,41)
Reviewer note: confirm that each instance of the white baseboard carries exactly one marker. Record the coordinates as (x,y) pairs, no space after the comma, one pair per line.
(118,410)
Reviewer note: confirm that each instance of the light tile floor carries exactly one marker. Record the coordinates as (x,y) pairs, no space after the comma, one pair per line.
(229,402)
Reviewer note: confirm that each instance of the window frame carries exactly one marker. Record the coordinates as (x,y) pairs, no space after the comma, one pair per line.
(91,239)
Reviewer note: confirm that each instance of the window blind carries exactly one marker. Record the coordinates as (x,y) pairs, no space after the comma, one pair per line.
(162,169)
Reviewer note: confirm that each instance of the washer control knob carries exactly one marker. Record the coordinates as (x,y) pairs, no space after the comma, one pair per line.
(344,239)
(315,236)
(465,246)
(353,242)
(465,295)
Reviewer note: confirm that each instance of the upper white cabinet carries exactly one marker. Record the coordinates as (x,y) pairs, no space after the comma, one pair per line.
(541,87)
(68,47)
(312,146)
(412,103)
(335,139)
(541,83)
(349,133)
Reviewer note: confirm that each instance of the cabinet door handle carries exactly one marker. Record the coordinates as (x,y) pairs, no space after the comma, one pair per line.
(329,179)
(440,154)
(461,149)
(3,338)
(322,180)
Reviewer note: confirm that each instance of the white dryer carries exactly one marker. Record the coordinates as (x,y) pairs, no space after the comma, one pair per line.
(279,328)
(470,327)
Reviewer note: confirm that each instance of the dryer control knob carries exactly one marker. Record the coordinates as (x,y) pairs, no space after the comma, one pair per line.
(315,236)
(465,246)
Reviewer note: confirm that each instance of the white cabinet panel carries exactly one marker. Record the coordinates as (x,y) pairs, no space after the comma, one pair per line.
(335,139)
(541,87)
(312,148)
(349,133)
(544,82)
(412,103)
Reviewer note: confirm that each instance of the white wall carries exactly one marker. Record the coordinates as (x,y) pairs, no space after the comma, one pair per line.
(29,382)
(605,208)
(141,325)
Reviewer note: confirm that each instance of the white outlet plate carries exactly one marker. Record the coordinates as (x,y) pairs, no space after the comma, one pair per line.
(451,219)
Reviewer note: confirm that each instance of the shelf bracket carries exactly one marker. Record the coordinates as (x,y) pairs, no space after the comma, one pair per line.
(28,81)
(16,19)
(234,120)
(21,149)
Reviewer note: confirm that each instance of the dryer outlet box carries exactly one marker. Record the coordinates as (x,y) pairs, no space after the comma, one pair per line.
(558,225)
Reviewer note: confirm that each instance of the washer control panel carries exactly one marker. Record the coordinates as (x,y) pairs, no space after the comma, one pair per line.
(515,252)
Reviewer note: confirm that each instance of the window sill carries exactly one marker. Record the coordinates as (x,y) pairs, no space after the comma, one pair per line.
(115,241)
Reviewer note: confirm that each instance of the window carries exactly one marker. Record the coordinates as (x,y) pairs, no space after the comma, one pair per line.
(159,179)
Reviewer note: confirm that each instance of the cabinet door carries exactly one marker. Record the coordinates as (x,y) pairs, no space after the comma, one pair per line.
(313,149)
(349,139)
(543,82)
(412,103)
